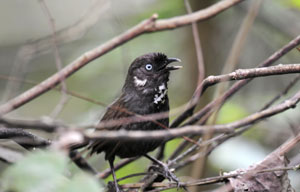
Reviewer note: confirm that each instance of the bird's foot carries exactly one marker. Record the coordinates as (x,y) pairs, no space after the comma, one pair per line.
(164,170)
(112,187)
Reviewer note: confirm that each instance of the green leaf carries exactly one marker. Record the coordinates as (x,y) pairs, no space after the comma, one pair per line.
(43,171)
(38,172)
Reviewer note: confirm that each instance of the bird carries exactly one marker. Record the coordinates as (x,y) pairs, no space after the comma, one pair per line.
(144,92)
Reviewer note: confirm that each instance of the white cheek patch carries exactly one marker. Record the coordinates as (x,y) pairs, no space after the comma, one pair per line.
(160,96)
(139,82)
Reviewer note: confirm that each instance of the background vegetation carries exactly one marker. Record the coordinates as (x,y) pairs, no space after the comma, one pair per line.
(29,53)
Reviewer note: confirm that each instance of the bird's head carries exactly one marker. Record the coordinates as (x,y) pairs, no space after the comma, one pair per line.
(149,71)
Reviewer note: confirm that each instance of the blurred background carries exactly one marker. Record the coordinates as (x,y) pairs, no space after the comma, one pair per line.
(27,57)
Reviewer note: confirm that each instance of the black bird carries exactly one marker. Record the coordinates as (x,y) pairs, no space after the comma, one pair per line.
(144,92)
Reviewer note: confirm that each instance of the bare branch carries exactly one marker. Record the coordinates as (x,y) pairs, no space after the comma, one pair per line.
(40,46)
(149,25)
(262,167)
(179,21)
(34,124)
(104,174)
(211,80)
(206,181)
(205,112)
(23,138)
(237,86)
(284,92)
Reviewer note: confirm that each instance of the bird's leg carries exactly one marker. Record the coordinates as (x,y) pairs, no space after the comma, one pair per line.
(166,172)
(111,164)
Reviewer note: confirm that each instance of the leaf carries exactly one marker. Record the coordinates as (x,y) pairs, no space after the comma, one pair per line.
(43,171)
(251,180)
(38,172)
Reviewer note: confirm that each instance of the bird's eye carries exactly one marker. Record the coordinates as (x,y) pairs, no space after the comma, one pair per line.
(148,67)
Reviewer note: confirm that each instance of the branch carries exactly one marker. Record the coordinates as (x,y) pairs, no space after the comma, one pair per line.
(196,130)
(206,181)
(34,124)
(179,21)
(268,165)
(40,46)
(197,42)
(190,130)
(149,25)
(206,111)
(104,174)
(63,100)
(283,92)
(209,81)
(239,74)
(23,138)
(237,86)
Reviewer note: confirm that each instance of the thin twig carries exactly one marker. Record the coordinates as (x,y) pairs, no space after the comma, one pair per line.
(197,42)
(40,46)
(131,175)
(104,174)
(284,92)
(63,100)
(238,44)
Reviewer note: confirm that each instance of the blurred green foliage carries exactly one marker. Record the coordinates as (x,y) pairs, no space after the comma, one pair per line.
(45,171)
(164,9)
(295,3)
(138,166)
(231,112)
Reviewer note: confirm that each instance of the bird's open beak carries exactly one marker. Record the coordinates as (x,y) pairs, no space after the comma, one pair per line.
(173,67)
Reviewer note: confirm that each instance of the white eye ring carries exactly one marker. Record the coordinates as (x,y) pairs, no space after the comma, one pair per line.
(148,67)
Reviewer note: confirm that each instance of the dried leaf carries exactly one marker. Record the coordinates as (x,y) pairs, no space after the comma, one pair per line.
(252,180)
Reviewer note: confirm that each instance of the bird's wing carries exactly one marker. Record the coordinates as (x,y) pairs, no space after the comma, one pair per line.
(114,112)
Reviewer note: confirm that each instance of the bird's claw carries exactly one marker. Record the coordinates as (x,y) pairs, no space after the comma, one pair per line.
(163,170)
(113,188)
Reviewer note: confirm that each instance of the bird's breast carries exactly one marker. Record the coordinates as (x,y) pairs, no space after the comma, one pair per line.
(160,94)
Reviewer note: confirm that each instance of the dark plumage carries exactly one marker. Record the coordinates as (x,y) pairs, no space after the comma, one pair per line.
(144,92)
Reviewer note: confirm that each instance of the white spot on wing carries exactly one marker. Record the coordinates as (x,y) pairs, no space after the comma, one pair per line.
(139,82)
